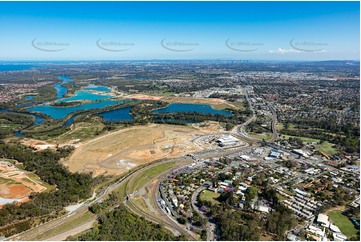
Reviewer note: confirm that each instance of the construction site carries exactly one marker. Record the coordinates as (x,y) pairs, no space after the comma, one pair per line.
(118,152)
(16,184)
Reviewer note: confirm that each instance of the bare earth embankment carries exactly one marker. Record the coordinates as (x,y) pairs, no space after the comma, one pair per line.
(16,184)
(215,102)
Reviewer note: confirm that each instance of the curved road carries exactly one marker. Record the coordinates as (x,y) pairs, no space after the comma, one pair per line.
(165,220)
(210,154)
(67,218)
(211,227)
(243,133)
(240,128)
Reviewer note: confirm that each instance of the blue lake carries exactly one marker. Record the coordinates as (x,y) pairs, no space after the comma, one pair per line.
(97,88)
(62,112)
(61,91)
(70,120)
(117,115)
(82,95)
(185,107)
(19,133)
(27,98)
(38,119)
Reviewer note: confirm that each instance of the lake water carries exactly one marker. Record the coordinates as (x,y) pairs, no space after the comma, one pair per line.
(92,87)
(27,98)
(38,119)
(185,107)
(62,112)
(70,120)
(82,95)
(61,91)
(117,115)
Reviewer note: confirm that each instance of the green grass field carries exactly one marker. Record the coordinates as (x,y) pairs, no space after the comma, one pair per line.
(209,196)
(36,178)
(326,147)
(140,203)
(122,190)
(344,224)
(265,136)
(78,220)
(5,124)
(140,180)
(8,181)
(15,163)
(82,131)
(303,139)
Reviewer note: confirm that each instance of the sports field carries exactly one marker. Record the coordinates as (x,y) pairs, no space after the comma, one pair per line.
(344,224)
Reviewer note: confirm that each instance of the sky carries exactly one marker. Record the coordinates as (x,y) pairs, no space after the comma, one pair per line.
(179,30)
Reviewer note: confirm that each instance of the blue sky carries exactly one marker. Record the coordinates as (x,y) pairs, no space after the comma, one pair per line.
(179,30)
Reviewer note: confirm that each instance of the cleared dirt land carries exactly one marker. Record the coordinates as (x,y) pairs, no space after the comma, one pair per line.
(215,102)
(120,151)
(17,184)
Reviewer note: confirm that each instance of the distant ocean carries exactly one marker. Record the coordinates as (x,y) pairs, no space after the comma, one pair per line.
(16,66)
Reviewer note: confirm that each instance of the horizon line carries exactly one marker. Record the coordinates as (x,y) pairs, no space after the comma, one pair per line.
(190,59)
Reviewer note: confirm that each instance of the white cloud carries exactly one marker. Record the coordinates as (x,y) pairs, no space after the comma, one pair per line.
(286,51)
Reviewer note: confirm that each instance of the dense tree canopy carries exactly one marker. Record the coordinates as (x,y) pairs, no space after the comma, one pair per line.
(120,224)
(70,187)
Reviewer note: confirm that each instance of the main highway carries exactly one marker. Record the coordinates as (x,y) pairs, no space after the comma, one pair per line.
(163,218)
(273,124)
(243,133)
(240,128)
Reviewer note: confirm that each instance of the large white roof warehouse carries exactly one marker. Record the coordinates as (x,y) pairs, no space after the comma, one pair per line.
(322,219)
(227,140)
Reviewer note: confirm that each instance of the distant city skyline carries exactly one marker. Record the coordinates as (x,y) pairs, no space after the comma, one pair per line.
(294,31)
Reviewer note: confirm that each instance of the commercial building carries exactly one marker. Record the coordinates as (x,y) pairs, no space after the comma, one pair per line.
(322,219)
(300,152)
(274,154)
(227,141)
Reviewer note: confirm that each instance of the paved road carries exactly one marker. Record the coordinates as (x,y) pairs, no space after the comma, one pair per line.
(273,124)
(38,230)
(240,128)
(163,218)
(210,227)
(203,155)
(243,133)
